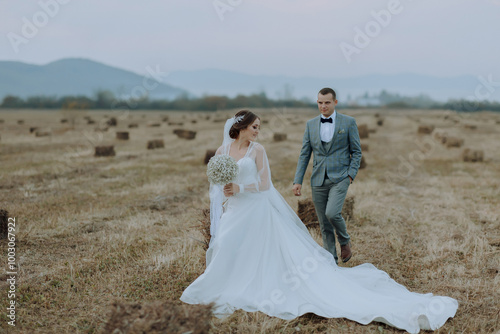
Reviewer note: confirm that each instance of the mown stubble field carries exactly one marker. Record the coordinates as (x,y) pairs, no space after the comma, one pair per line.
(93,230)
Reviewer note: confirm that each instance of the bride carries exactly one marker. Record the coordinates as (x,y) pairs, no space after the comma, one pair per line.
(262,258)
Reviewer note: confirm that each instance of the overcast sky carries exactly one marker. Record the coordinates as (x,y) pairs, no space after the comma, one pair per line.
(321,38)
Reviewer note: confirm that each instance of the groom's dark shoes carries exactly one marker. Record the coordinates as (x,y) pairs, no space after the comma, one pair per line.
(345,252)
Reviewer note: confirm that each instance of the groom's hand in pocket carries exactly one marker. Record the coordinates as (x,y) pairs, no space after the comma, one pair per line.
(296,189)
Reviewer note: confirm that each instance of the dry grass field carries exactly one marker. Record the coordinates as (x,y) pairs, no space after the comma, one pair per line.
(96,230)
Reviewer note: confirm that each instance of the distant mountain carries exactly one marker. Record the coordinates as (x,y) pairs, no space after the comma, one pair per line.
(212,81)
(77,77)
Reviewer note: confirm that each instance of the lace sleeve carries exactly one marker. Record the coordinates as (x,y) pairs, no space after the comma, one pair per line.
(264,173)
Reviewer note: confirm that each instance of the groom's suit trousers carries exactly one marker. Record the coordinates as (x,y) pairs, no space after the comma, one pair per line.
(328,201)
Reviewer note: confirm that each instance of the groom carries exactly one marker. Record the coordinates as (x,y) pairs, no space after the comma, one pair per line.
(334,139)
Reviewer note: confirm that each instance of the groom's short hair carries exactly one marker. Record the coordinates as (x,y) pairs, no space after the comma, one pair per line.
(326,91)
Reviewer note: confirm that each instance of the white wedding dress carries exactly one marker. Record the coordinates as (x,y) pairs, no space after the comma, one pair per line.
(262,258)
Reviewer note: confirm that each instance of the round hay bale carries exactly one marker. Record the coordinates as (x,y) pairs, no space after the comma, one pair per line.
(470,126)
(64,120)
(208,155)
(265,121)
(155,143)
(194,121)
(122,135)
(33,129)
(20,121)
(158,317)
(454,142)
(363,131)
(364,148)
(176,123)
(380,122)
(105,151)
(4,224)
(426,129)
(164,119)
(133,125)
(112,121)
(2,121)
(470,155)
(185,134)
(154,125)
(279,137)
(90,121)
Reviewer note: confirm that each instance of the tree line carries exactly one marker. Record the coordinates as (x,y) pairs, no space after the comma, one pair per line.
(107,100)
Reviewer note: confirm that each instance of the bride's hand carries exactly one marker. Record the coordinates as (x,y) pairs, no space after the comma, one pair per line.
(230,189)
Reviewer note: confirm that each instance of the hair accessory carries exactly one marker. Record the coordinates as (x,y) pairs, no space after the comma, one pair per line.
(238,119)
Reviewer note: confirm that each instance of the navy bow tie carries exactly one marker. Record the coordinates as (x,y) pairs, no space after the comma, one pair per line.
(326,120)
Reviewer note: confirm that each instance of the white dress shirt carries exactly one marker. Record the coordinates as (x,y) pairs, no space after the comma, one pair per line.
(326,129)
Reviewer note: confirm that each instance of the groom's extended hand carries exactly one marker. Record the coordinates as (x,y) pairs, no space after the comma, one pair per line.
(296,189)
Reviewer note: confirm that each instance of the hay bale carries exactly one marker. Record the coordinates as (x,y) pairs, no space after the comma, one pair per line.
(164,119)
(363,131)
(372,130)
(2,121)
(377,115)
(112,121)
(364,148)
(470,126)
(380,122)
(307,212)
(176,123)
(426,129)
(33,129)
(470,155)
(64,120)
(20,121)
(133,125)
(441,136)
(185,134)
(205,227)
(208,155)
(348,208)
(194,121)
(105,151)
(158,317)
(154,125)
(155,143)
(42,133)
(90,121)
(122,135)
(362,164)
(454,142)
(265,121)
(279,136)
(4,224)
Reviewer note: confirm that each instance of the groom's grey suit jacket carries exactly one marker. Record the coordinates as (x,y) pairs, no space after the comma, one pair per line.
(338,159)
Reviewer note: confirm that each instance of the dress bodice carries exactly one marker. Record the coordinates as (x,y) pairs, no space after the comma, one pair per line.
(247,172)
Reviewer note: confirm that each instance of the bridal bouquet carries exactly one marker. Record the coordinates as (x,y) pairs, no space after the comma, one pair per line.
(222,169)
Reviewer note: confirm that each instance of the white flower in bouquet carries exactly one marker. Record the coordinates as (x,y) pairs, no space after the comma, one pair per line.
(222,169)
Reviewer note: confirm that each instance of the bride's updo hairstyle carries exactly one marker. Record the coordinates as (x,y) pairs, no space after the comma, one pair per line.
(241,124)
